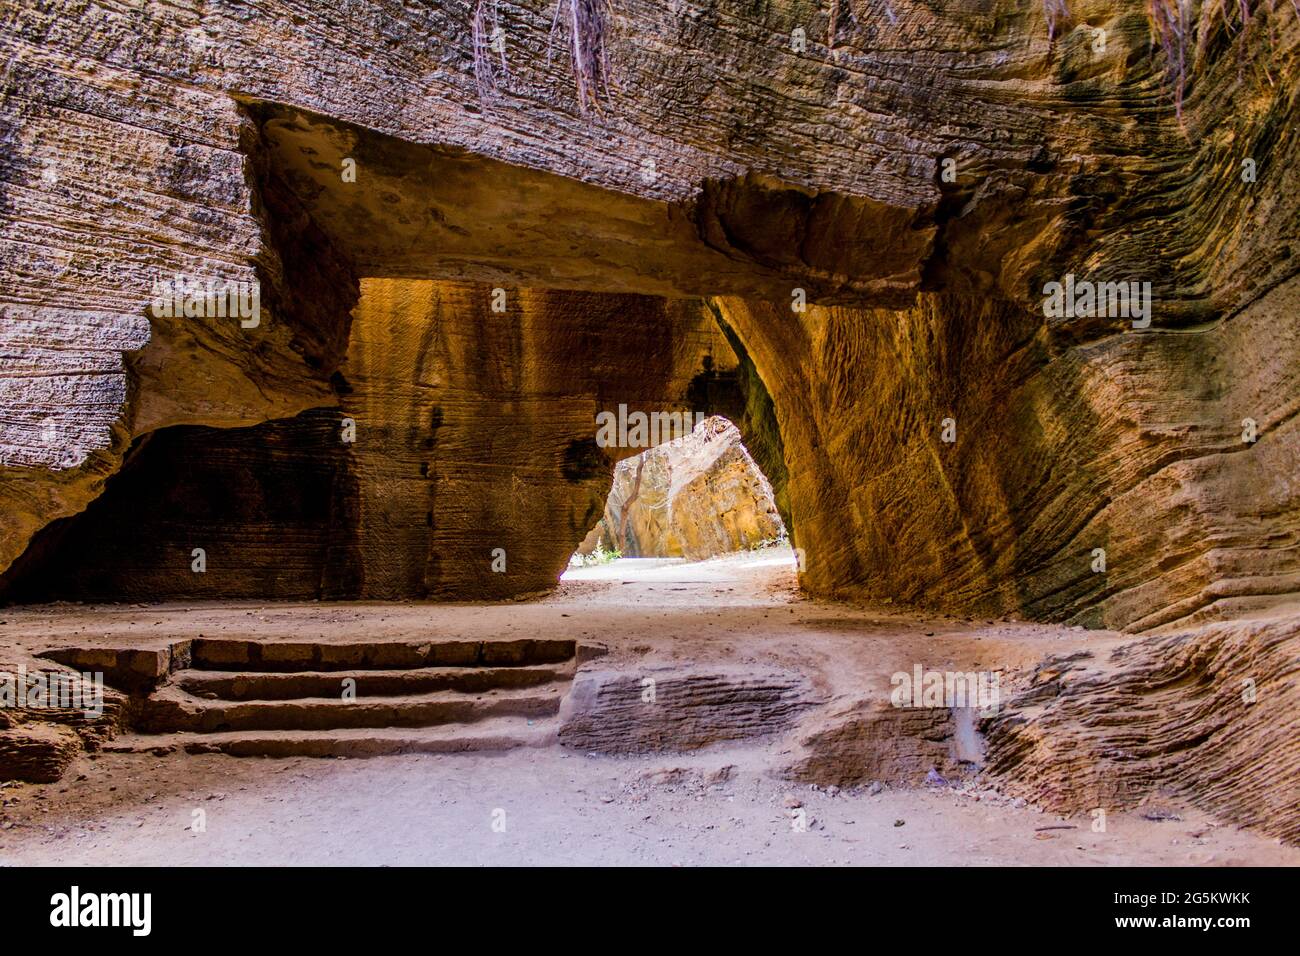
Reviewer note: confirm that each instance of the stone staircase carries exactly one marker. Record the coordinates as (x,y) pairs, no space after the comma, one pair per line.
(279,699)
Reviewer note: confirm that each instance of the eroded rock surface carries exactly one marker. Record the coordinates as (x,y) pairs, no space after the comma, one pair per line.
(37,753)
(1208,714)
(871,741)
(916,179)
(933,437)
(1133,442)
(678,709)
(696,497)
(49,716)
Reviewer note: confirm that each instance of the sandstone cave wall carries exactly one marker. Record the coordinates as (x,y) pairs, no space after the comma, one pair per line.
(143,141)
(1131,442)
(469,431)
(476,430)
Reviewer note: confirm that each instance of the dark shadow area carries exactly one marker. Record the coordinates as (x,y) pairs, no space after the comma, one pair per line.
(272,507)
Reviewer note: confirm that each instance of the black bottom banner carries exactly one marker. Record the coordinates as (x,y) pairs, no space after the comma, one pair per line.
(304,906)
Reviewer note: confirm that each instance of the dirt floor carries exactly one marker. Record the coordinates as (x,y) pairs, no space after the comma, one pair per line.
(722,805)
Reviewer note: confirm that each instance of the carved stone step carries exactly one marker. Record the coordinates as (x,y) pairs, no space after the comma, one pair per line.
(171,709)
(493,734)
(260,685)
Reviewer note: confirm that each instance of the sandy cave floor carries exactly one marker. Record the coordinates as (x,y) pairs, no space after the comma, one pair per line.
(723,805)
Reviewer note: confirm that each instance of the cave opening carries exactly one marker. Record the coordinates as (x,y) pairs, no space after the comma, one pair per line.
(690,499)
(460,456)
(414,417)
